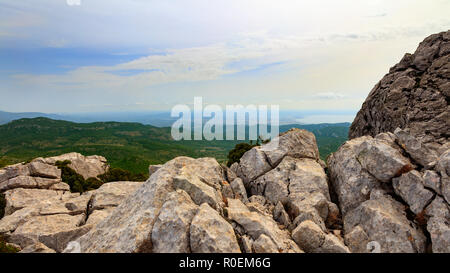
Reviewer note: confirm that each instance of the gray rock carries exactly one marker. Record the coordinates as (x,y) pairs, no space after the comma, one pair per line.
(256,224)
(416,149)
(381,160)
(280,215)
(87,166)
(37,248)
(384,221)
(129,227)
(44,170)
(252,165)
(443,166)
(170,232)
(438,225)
(210,233)
(308,236)
(112,194)
(350,181)
(153,168)
(239,190)
(412,95)
(264,245)
(410,187)
(432,180)
(296,143)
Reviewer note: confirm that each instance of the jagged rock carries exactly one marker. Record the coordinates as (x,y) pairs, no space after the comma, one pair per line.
(280,215)
(310,214)
(129,227)
(258,199)
(256,224)
(299,203)
(112,194)
(227,191)
(432,180)
(416,149)
(44,170)
(413,95)
(296,143)
(79,204)
(308,236)
(239,190)
(87,166)
(20,198)
(200,192)
(264,245)
(443,167)
(61,186)
(210,233)
(55,231)
(357,240)
(253,164)
(37,248)
(410,187)
(97,216)
(170,232)
(351,182)
(28,182)
(153,168)
(247,244)
(14,171)
(384,221)
(438,225)
(381,160)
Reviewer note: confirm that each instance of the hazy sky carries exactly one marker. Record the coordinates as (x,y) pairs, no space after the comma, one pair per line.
(109,55)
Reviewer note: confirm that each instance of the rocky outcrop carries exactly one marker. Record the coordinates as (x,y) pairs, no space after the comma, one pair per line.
(42,215)
(197,205)
(87,166)
(414,94)
(388,199)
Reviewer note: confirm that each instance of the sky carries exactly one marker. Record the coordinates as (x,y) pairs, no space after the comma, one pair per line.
(63,56)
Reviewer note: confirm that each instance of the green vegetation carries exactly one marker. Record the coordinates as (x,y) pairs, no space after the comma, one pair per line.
(76,182)
(5,248)
(127,146)
(117,174)
(237,152)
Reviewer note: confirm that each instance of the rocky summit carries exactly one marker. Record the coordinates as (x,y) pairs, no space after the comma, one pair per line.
(387,189)
(414,94)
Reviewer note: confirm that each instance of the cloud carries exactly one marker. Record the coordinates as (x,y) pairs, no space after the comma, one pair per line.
(330,96)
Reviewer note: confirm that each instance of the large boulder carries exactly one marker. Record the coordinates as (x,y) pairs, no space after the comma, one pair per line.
(129,228)
(87,166)
(414,94)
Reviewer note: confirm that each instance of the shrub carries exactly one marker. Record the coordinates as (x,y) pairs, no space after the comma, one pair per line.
(2,205)
(239,150)
(5,248)
(76,181)
(117,174)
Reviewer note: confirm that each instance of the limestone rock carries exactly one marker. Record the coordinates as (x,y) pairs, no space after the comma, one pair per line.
(410,187)
(87,166)
(256,224)
(264,245)
(129,227)
(432,180)
(37,248)
(170,232)
(416,149)
(153,168)
(210,233)
(112,194)
(350,181)
(44,170)
(414,94)
(20,198)
(381,160)
(239,190)
(384,221)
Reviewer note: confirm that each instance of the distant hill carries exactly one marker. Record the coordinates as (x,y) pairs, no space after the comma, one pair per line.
(131,146)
